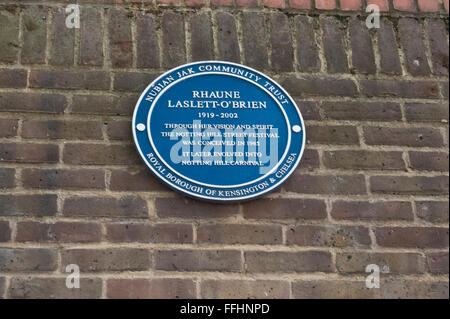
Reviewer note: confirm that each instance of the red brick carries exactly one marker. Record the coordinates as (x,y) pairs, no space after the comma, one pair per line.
(104,104)
(168,2)
(186,208)
(404,5)
(412,237)
(56,129)
(28,259)
(61,232)
(5,231)
(158,288)
(32,102)
(63,179)
(300,4)
(222,3)
(28,153)
(112,259)
(100,154)
(360,160)
(8,127)
(382,4)
(432,211)
(195,3)
(274,3)
(198,260)
(82,80)
(412,137)
(285,209)
(326,4)
(288,262)
(394,263)
(352,5)
(247,3)
(428,5)
(438,262)
(147,233)
(245,289)
(367,211)
(326,184)
(120,41)
(403,185)
(446,5)
(240,234)
(328,236)
(7,178)
(128,206)
(53,288)
(28,205)
(429,161)
(13,78)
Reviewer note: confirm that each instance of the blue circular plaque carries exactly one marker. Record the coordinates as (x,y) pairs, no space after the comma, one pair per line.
(218,131)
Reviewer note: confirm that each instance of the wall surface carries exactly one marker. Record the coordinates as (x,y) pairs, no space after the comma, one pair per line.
(372,187)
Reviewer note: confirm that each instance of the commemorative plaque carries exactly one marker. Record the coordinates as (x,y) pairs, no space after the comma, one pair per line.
(218,131)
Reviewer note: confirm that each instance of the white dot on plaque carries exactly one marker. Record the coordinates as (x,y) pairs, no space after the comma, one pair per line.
(296,128)
(140,127)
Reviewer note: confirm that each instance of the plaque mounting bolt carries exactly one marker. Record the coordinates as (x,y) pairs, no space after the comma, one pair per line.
(296,128)
(140,127)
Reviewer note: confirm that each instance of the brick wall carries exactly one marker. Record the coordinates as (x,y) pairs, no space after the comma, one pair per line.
(372,187)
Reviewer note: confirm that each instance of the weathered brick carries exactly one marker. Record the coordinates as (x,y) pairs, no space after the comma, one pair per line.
(328,236)
(99,154)
(387,46)
(2,287)
(428,5)
(56,129)
(62,39)
(422,185)
(34,35)
(432,211)
(28,259)
(127,206)
(28,153)
(255,40)
(281,43)
(53,288)
(9,38)
(310,110)
(195,3)
(320,86)
(63,178)
(174,47)
(429,161)
(300,4)
(429,112)
(224,3)
(92,80)
(119,130)
(147,233)
(393,263)
(91,37)
(198,260)
(61,232)
(333,42)
(285,209)
(412,237)
(28,205)
(411,40)
(240,234)
(350,5)
(383,5)
(274,3)
(412,137)
(13,78)
(326,184)
(104,104)
(227,37)
(147,41)
(288,262)
(438,262)
(244,289)
(8,127)
(363,57)
(362,111)
(135,180)
(133,81)
(310,160)
(400,89)
(307,47)
(363,160)
(202,43)
(325,4)
(5,231)
(338,135)
(112,259)
(187,208)
(7,178)
(32,102)
(120,42)
(362,210)
(438,46)
(158,288)
(404,5)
